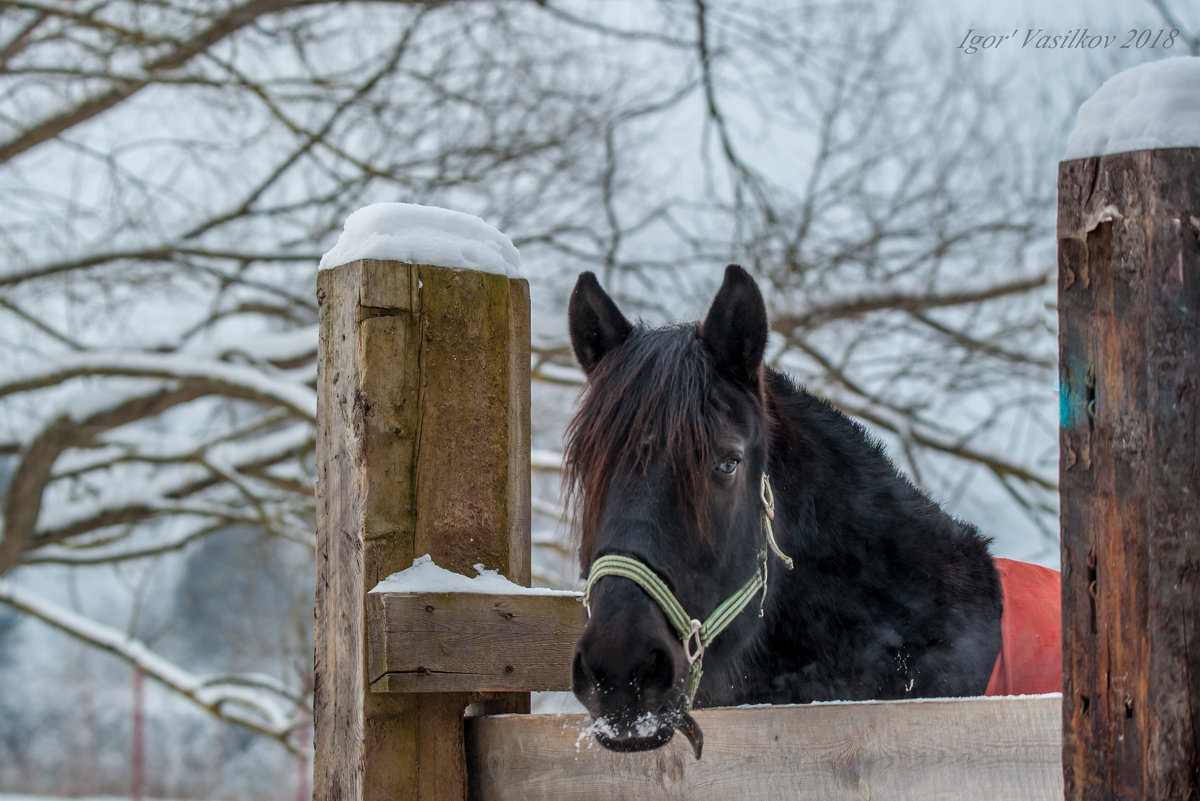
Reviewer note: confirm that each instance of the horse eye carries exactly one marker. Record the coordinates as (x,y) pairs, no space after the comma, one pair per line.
(728,467)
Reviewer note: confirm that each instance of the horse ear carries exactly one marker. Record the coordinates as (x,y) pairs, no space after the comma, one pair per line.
(597,325)
(735,330)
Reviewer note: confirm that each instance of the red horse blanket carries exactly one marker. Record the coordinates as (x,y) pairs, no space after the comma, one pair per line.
(1030,659)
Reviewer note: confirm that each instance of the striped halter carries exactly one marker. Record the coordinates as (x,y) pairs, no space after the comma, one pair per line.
(695,634)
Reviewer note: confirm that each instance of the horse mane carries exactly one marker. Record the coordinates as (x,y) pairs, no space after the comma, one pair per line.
(648,403)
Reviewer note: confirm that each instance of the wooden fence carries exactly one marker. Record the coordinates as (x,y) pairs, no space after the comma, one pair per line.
(423,447)
(1129,362)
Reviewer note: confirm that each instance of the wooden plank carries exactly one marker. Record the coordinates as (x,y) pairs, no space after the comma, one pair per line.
(348,733)
(1129,352)
(422,419)
(472,470)
(969,749)
(469,642)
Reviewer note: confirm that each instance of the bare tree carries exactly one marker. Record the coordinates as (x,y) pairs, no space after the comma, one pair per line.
(172,172)
(893,209)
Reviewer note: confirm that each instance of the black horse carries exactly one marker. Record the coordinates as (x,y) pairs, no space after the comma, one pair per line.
(889,596)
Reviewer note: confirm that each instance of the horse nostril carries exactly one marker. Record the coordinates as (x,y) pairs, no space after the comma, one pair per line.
(582,678)
(659,670)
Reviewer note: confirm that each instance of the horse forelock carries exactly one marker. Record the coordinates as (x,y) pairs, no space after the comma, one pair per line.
(650,403)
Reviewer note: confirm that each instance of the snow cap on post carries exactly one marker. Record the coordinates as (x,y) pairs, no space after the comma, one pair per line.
(1147,107)
(415,234)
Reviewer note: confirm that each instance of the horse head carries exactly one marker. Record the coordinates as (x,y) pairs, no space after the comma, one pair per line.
(666,459)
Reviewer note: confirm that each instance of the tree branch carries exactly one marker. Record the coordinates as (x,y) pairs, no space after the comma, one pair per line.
(796,324)
(122,90)
(232,380)
(263,707)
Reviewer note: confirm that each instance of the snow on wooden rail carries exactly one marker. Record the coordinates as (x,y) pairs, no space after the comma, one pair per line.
(971,748)
(432,630)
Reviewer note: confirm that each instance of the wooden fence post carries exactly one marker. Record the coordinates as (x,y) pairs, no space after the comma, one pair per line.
(1129,351)
(422,447)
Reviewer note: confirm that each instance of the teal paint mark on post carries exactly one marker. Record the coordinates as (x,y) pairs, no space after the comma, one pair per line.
(1073,391)
(1064,403)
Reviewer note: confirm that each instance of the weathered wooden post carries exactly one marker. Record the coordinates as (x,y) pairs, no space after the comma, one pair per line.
(1129,347)
(422,448)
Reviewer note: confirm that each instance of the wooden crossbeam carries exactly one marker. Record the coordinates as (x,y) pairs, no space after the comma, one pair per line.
(970,748)
(471,642)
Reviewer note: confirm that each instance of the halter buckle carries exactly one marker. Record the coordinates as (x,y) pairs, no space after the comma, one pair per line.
(694,637)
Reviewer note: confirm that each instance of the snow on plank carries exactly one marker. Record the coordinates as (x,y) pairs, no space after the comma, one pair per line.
(438,631)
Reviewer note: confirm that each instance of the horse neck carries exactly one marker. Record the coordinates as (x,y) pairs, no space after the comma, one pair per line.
(835,486)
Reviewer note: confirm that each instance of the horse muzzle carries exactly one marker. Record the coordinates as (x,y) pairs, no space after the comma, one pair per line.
(629,671)
(643,733)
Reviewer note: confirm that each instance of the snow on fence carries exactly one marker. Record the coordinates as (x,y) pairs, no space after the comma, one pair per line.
(423,448)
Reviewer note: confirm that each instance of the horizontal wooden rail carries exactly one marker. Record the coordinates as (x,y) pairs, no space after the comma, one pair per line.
(981,749)
(428,642)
